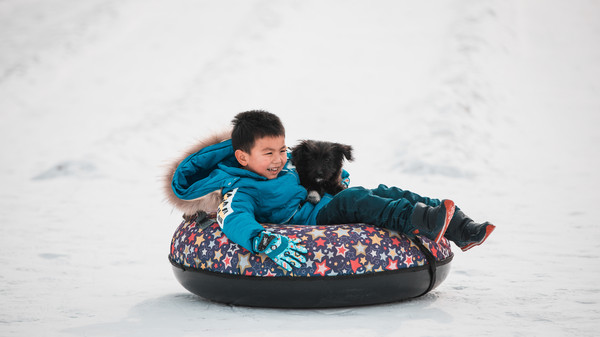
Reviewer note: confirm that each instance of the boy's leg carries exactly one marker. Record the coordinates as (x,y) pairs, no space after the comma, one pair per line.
(397,193)
(358,204)
(466,233)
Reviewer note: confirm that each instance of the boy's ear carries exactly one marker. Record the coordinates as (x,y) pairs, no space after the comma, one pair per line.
(242,157)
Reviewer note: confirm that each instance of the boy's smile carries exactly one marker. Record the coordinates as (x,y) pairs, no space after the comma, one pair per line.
(266,158)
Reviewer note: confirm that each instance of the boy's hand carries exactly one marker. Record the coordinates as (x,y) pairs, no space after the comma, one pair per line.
(284,251)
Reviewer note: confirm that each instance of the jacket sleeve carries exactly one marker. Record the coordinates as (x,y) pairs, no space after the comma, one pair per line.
(235,215)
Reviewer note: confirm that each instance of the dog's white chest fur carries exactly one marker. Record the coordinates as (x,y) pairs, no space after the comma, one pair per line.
(313,197)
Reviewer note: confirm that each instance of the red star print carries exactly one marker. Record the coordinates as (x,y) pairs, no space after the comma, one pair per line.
(370,229)
(222,240)
(191,237)
(355,265)
(434,251)
(322,268)
(392,264)
(320,242)
(269,273)
(341,250)
(409,261)
(227,261)
(395,241)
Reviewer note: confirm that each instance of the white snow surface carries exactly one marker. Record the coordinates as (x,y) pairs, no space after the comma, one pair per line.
(494,104)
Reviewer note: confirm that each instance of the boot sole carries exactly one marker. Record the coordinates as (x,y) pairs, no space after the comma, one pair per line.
(488,230)
(449,206)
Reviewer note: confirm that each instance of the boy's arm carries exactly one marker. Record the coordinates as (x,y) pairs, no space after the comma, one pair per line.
(236,217)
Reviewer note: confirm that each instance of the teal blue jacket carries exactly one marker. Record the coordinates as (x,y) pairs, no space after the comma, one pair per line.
(249,198)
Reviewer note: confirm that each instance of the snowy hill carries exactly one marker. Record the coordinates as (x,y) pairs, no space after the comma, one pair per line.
(494,104)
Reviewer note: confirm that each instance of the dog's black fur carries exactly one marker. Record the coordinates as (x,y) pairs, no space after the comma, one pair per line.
(319,165)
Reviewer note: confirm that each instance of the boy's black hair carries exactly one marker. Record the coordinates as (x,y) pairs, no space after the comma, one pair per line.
(251,125)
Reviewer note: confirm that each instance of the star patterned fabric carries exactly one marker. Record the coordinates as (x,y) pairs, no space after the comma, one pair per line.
(348,249)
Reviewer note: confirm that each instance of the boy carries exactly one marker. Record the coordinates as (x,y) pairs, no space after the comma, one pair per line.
(259,186)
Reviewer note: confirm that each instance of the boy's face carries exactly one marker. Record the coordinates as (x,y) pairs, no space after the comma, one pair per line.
(266,158)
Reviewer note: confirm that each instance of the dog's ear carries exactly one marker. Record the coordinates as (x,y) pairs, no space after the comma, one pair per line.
(346,150)
(298,152)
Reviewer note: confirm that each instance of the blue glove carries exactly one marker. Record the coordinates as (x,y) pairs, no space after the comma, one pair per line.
(284,251)
(345,178)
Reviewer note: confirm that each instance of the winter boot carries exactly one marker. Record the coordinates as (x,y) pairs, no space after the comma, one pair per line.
(466,233)
(432,222)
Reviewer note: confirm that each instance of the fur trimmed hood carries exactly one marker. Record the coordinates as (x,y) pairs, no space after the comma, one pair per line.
(207,203)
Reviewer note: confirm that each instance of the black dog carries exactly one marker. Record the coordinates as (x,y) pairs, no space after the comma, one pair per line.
(319,165)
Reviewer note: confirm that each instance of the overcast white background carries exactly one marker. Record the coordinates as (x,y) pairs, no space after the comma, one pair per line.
(494,104)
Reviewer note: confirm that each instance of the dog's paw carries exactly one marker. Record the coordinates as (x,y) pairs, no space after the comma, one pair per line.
(313,197)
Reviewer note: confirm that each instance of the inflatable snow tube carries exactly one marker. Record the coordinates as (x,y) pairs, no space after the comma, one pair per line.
(348,265)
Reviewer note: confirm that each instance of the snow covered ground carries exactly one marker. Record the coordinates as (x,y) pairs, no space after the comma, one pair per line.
(494,104)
